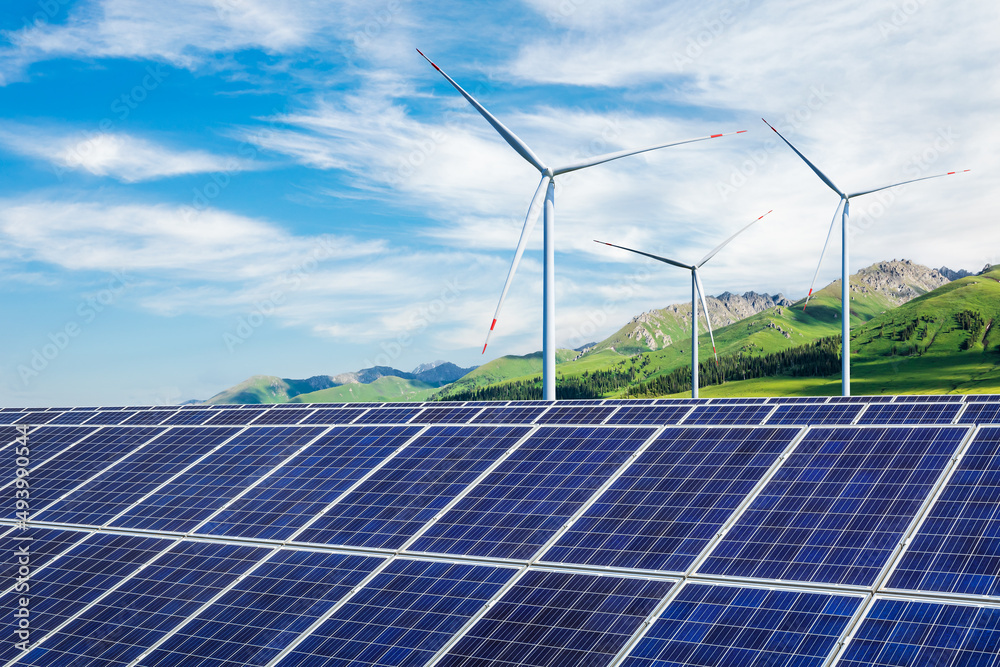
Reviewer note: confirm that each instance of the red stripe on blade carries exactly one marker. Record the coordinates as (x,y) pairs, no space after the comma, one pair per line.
(494,324)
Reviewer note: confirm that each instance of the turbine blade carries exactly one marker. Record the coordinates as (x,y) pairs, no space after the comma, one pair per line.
(608,157)
(822,254)
(534,210)
(914,180)
(704,307)
(646,254)
(815,169)
(726,242)
(511,138)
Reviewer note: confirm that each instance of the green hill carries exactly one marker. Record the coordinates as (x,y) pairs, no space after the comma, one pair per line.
(385,390)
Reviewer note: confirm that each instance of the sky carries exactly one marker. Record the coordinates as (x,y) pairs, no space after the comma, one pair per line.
(197,191)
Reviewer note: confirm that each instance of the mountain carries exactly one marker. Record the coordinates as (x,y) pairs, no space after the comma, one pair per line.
(271,389)
(955,275)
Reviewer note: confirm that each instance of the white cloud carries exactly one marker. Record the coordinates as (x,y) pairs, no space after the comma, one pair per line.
(121,156)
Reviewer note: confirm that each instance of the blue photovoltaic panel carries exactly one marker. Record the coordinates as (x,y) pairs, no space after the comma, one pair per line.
(910,413)
(42,544)
(79,577)
(189,417)
(274,416)
(982,398)
(403,616)
(860,399)
(298,491)
(957,548)
(35,418)
(394,503)
(436,415)
(649,414)
(75,465)
(742,401)
(791,400)
(511,415)
(630,401)
(907,633)
(729,414)
(520,505)
(841,413)
(266,611)
(231,417)
(46,441)
(582,414)
(929,398)
(556,619)
(116,489)
(981,413)
(682,401)
(837,507)
(10,417)
(662,512)
(208,485)
(744,627)
(333,416)
(141,611)
(111,417)
(75,417)
(387,415)
(150,417)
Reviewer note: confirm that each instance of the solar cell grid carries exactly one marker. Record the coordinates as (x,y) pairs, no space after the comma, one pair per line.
(403,616)
(230,417)
(791,400)
(79,577)
(389,507)
(287,500)
(662,512)
(837,507)
(387,415)
(630,401)
(905,633)
(36,417)
(982,398)
(47,441)
(841,413)
(438,415)
(114,490)
(980,413)
(910,413)
(581,414)
(728,414)
(527,498)
(119,627)
(332,416)
(273,416)
(552,619)
(860,399)
(741,401)
(44,544)
(509,415)
(957,547)
(56,476)
(110,417)
(264,612)
(730,625)
(649,414)
(188,500)
(72,417)
(147,417)
(928,398)
(682,401)
(188,417)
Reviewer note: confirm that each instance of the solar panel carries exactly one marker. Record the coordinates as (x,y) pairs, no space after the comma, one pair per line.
(880,398)
(189,417)
(649,414)
(231,417)
(558,618)
(662,512)
(115,490)
(910,413)
(509,415)
(390,506)
(746,400)
(728,414)
(841,413)
(910,633)
(403,616)
(10,417)
(520,505)
(72,417)
(332,416)
(47,441)
(43,545)
(78,577)
(928,398)
(265,611)
(186,501)
(388,415)
(436,415)
(630,401)
(287,417)
(794,400)
(957,548)
(118,627)
(741,625)
(980,413)
(837,507)
(583,414)
(287,500)
(59,474)
(150,417)
(110,417)
(36,418)
(982,398)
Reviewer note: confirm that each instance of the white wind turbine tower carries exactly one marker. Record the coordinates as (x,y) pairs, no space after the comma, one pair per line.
(697,291)
(546,186)
(845,272)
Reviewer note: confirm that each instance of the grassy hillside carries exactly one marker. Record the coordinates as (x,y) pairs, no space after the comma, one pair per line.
(385,389)
(502,370)
(258,389)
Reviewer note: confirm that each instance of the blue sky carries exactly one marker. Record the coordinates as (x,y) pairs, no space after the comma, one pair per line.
(198,191)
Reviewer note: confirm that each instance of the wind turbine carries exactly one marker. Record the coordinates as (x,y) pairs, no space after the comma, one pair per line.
(845,272)
(697,291)
(546,186)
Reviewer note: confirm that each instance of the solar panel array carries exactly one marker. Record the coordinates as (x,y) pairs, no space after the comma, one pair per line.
(799,531)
